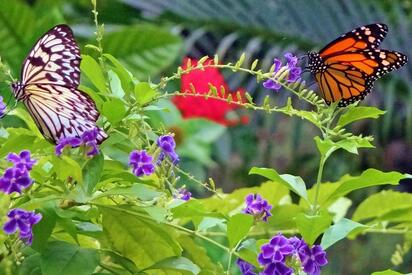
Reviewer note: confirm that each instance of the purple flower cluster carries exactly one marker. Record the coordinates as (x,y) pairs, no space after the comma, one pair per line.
(258,207)
(23,221)
(245,267)
(141,163)
(17,177)
(167,144)
(274,256)
(88,139)
(184,194)
(2,107)
(294,72)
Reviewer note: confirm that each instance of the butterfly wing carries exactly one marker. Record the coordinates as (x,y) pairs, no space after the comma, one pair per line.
(61,111)
(54,59)
(365,37)
(349,77)
(49,80)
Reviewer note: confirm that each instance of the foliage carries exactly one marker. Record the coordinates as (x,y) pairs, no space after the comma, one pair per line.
(98,217)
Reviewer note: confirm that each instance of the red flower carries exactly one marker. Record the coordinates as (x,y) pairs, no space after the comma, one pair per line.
(199,107)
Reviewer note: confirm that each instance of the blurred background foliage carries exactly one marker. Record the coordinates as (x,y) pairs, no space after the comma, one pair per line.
(152,37)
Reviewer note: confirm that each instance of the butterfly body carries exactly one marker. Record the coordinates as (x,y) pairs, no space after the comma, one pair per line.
(48,87)
(346,68)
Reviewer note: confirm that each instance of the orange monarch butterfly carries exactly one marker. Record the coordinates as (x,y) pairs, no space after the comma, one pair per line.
(347,67)
(50,77)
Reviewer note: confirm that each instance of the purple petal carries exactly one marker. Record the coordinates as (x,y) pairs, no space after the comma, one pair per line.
(291,60)
(262,260)
(34,219)
(24,181)
(10,227)
(267,251)
(272,85)
(12,157)
(9,173)
(278,256)
(278,64)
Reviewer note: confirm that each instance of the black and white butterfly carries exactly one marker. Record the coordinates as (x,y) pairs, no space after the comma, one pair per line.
(48,87)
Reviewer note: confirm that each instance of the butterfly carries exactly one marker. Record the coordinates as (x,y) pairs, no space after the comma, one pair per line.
(347,67)
(48,87)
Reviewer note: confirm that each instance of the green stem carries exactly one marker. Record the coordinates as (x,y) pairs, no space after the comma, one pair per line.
(232,251)
(318,183)
(178,227)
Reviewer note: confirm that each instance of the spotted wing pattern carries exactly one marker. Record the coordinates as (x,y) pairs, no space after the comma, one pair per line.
(49,87)
(346,68)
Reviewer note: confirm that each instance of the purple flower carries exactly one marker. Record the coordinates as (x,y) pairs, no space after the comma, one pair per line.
(275,250)
(14,180)
(272,85)
(279,251)
(296,243)
(258,207)
(2,107)
(245,267)
(277,268)
(65,141)
(141,163)
(22,160)
(312,259)
(168,145)
(23,221)
(184,194)
(88,138)
(294,72)
(291,60)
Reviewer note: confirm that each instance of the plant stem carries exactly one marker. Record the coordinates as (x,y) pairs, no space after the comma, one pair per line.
(178,227)
(318,182)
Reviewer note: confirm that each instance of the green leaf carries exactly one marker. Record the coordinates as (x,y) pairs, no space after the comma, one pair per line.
(325,147)
(140,191)
(273,192)
(66,167)
(18,140)
(30,265)
(237,228)
(310,227)
(355,113)
(383,203)
(370,177)
(388,272)
(176,263)
(124,75)
(147,49)
(17,25)
(27,118)
(198,254)
(66,259)
(115,84)
(114,109)
(92,172)
(339,231)
(248,251)
(144,93)
(293,183)
(92,70)
(139,239)
(43,230)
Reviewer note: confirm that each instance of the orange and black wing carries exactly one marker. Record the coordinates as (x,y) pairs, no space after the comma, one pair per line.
(362,38)
(349,77)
